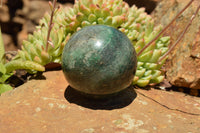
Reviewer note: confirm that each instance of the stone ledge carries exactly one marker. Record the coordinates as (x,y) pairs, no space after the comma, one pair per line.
(41,106)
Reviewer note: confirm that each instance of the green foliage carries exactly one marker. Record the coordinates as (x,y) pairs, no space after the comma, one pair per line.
(3,77)
(27,65)
(134,22)
(2,50)
(6,69)
(3,74)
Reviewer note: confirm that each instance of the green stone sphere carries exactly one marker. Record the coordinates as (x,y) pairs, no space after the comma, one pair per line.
(99,60)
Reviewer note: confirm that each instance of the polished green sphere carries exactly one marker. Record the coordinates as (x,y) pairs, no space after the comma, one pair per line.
(99,60)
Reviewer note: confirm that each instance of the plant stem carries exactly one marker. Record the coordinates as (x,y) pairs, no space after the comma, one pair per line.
(181,35)
(50,24)
(139,53)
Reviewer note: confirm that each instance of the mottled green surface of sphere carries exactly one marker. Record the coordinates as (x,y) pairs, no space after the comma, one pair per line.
(99,60)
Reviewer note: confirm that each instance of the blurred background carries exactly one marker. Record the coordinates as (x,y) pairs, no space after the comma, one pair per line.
(18,18)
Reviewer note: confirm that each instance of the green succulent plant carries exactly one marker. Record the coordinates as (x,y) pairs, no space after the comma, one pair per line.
(7,68)
(3,74)
(134,22)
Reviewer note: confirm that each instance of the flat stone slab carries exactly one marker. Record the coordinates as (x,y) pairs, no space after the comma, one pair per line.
(50,105)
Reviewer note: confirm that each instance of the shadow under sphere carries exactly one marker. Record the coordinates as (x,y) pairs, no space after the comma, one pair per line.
(109,102)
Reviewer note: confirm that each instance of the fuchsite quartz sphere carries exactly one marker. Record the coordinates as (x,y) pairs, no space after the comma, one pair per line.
(99,60)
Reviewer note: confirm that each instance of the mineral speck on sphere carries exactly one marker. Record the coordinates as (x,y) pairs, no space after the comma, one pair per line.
(99,60)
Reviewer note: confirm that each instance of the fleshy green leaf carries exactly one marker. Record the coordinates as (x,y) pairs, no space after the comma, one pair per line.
(4,77)
(142,82)
(30,65)
(2,68)
(4,88)
(157,79)
(2,50)
(145,57)
(135,79)
(150,66)
(140,73)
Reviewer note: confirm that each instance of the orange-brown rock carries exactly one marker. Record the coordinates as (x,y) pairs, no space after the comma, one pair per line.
(48,104)
(183,66)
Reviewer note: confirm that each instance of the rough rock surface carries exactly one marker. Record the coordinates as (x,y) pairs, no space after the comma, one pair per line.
(183,66)
(48,104)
